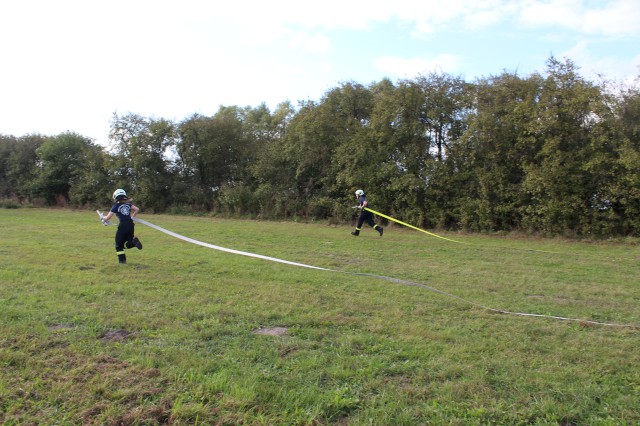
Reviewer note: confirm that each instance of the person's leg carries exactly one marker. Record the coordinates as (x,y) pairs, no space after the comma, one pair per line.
(120,244)
(361,220)
(131,240)
(136,241)
(375,226)
(128,235)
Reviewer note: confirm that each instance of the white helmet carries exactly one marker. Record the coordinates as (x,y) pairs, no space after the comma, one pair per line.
(359,192)
(119,193)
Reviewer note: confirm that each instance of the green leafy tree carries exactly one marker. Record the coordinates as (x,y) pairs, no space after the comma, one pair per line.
(143,163)
(124,129)
(256,190)
(624,189)
(19,165)
(500,140)
(560,186)
(387,156)
(444,104)
(214,152)
(430,116)
(271,169)
(250,193)
(91,184)
(7,146)
(313,139)
(62,162)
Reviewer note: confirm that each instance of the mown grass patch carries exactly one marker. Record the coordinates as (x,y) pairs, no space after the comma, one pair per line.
(171,337)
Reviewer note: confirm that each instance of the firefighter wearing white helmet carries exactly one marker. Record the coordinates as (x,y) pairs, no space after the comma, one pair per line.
(126,211)
(365,215)
(119,193)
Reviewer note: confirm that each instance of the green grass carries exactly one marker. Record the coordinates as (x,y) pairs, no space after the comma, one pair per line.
(357,351)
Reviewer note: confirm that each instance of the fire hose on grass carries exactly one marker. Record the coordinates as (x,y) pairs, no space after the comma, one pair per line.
(382,277)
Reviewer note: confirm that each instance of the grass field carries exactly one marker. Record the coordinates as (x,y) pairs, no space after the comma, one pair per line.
(184,334)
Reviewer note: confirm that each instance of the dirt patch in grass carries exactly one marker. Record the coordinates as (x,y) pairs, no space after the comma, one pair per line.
(58,327)
(45,380)
(271,331)
(115,335)
(87,267)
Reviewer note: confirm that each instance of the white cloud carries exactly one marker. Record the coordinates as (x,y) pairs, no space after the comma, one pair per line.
(68,64)
(611,18)
(483,19)
(313,43)
(409,68)
(619,18)
(564,13)
(610,66)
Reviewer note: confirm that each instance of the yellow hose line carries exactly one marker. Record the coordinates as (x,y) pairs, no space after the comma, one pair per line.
(411,226)
(447,239)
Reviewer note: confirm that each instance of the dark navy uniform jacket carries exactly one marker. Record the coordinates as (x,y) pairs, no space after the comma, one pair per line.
(123,211)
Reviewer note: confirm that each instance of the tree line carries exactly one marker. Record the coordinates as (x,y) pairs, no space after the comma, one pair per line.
(550,153)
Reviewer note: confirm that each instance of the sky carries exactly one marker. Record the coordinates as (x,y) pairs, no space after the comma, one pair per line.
(69,65)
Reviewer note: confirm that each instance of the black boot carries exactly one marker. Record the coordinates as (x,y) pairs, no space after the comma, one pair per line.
(380,230)
(122,259)
(356,233)
(138,244)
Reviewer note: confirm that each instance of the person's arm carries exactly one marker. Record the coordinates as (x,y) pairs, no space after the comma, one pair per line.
(108,216)
(134,211)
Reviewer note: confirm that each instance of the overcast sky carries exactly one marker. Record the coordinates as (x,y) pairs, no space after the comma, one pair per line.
(70,64)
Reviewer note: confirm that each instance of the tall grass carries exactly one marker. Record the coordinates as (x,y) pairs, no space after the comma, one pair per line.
(170,338)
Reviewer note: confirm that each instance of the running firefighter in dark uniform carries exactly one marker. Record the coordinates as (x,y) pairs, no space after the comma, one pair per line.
(365,215)
(126,211)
